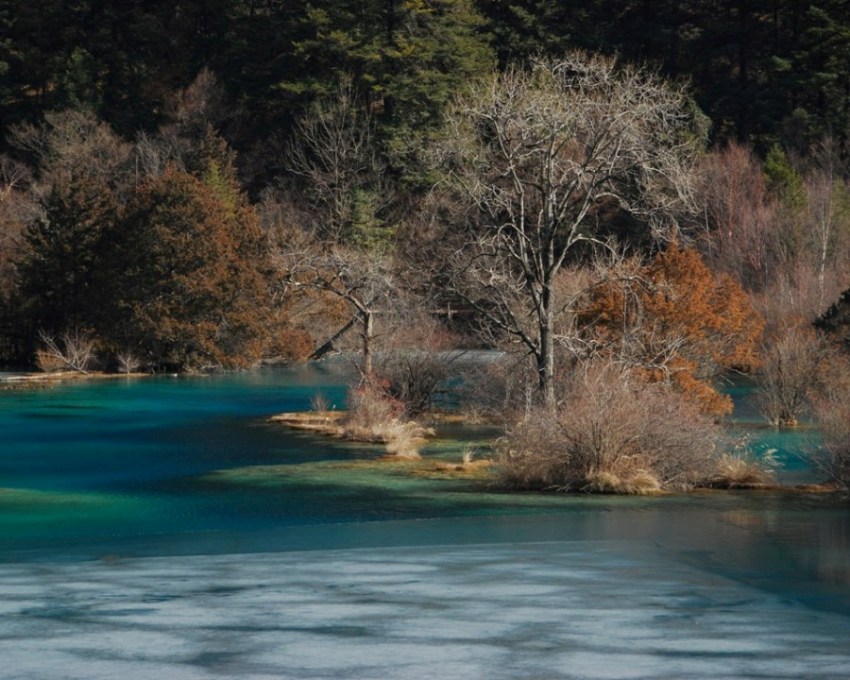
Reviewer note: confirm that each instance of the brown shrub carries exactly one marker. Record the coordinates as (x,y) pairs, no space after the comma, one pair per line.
(832,414)
(614,433)
(788,372)
(375,416)
(679,323)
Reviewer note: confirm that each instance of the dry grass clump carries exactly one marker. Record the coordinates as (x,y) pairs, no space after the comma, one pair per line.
(614,433)
(404,439)
(374,416)
(638,483)
(739,472)
(478,470)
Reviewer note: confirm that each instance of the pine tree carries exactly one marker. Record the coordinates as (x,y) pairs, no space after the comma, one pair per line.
(186,277)
(405,57)
(59,273)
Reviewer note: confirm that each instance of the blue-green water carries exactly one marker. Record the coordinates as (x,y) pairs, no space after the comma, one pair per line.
(104,462)
(169,508)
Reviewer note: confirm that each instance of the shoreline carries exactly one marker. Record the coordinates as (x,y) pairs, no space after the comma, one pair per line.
(42,380)
(328,424)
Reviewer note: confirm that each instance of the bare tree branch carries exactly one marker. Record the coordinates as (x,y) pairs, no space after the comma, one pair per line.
(538,153)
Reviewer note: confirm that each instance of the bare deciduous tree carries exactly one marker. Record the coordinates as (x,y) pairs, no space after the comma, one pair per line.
(792,258)
(537,154)
(787,374)
(333,149)
(827,227)
(17,209)
(74,351)
(742,238)
(364,281)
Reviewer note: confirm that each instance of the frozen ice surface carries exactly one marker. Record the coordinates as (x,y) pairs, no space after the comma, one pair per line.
(577,609)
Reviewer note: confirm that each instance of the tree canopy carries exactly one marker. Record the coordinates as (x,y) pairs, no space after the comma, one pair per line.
(159,161)
(185,273)
(539,153)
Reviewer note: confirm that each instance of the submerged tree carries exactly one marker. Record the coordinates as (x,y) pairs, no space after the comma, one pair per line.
(539,154)
(788,374)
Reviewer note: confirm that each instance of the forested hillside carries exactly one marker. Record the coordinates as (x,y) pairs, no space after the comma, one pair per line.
(764,71)
(653,192)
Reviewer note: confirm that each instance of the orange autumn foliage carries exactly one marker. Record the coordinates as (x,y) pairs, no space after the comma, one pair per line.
(679,322)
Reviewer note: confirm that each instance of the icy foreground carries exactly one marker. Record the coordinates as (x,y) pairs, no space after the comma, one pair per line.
(577,609)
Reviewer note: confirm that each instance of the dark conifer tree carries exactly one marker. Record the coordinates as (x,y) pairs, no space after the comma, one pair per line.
(184,271)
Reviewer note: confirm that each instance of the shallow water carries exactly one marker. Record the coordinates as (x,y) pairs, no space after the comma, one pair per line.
(162,526)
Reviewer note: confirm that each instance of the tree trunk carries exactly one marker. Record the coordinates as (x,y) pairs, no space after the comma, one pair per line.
(328,345)
(368,331)
(546,351)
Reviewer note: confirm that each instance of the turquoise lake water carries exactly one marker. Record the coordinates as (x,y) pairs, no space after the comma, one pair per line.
(163,527)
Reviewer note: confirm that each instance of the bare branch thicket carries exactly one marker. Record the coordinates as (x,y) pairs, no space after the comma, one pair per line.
(741,236)
(154,154)
(17,210)
(614,433)
(195,115)
(14,177)
(794,262)
(789,371)
(333,150)
(287,229)
(417,355)
(200,104)
(71,144)
(500,388)
(538,154)
(815,253)
(827,235)
(794,296)
(831,406)
(74,351)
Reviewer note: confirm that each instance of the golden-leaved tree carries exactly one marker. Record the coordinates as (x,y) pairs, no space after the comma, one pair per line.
(678,322)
